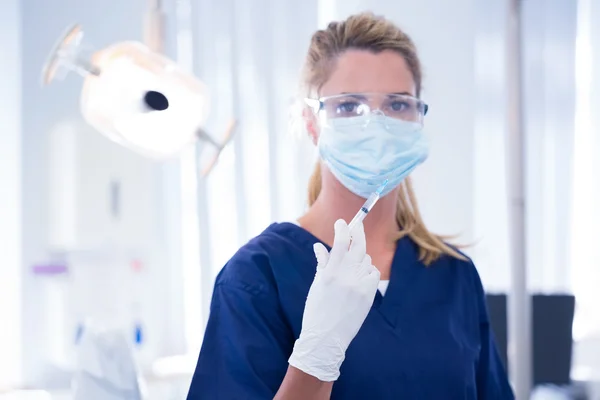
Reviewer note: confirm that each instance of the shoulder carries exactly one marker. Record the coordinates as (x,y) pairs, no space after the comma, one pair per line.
(254,267)
(471,280)
(463,268)
(470,269)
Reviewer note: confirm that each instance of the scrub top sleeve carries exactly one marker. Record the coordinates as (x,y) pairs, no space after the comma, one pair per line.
(492,380)
(246,345)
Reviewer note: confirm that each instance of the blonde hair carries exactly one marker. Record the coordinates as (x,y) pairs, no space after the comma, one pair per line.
(366,31)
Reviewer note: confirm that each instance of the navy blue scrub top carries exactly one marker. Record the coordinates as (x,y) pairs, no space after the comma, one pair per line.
(429,337)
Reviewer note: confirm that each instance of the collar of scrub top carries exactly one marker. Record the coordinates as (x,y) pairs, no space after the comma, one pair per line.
(405,268)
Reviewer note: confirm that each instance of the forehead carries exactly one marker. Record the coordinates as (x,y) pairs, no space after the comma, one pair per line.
(364,71)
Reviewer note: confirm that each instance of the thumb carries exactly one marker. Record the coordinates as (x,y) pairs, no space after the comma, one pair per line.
(322,255)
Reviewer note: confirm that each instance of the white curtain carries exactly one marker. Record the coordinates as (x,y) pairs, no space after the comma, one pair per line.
(585,222)
(249,54)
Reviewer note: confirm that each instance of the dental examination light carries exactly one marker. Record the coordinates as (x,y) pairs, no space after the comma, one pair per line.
(137,97)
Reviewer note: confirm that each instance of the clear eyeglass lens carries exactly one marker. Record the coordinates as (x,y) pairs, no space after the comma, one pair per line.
(402,107)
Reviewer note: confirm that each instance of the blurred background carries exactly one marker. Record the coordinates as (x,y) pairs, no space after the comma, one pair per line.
(91,229)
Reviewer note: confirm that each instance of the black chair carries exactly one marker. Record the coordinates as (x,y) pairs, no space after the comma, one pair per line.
(552,338)
(497,309)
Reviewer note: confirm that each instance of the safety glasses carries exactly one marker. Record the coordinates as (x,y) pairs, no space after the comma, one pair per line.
(348,105)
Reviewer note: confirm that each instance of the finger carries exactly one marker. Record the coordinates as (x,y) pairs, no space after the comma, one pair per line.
(367,260)
(322,256)
(365,267)
(373,277)
(358,247)
(371,283)
(375,271)
(341,241)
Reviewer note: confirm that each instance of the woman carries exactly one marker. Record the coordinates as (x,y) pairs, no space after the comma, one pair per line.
(391,311)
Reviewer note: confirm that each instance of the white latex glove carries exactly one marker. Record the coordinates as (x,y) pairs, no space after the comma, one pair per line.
(338,303)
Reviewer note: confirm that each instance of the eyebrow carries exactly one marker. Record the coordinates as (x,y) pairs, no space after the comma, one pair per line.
(404,94)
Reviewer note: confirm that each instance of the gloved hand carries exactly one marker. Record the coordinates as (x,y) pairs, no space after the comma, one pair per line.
(338,302)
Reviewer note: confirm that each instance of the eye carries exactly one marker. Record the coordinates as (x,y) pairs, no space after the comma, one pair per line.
(399,105)
(347,107)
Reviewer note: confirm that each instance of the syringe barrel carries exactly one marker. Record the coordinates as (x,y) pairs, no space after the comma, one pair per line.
(357,219)
(370,202)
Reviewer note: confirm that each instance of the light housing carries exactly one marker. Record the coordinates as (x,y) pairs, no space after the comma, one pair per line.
(137,97)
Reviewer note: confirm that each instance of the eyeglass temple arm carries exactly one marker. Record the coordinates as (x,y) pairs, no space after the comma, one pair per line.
(315,104)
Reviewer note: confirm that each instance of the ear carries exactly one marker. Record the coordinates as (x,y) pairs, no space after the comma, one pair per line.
(312,127)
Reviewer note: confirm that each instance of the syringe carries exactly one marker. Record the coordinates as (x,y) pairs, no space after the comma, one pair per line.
(364,210)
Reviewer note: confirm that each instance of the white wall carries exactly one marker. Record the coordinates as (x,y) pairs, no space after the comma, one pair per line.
(10,193)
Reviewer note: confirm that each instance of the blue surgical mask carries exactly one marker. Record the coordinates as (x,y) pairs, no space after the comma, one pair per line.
(364,151)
